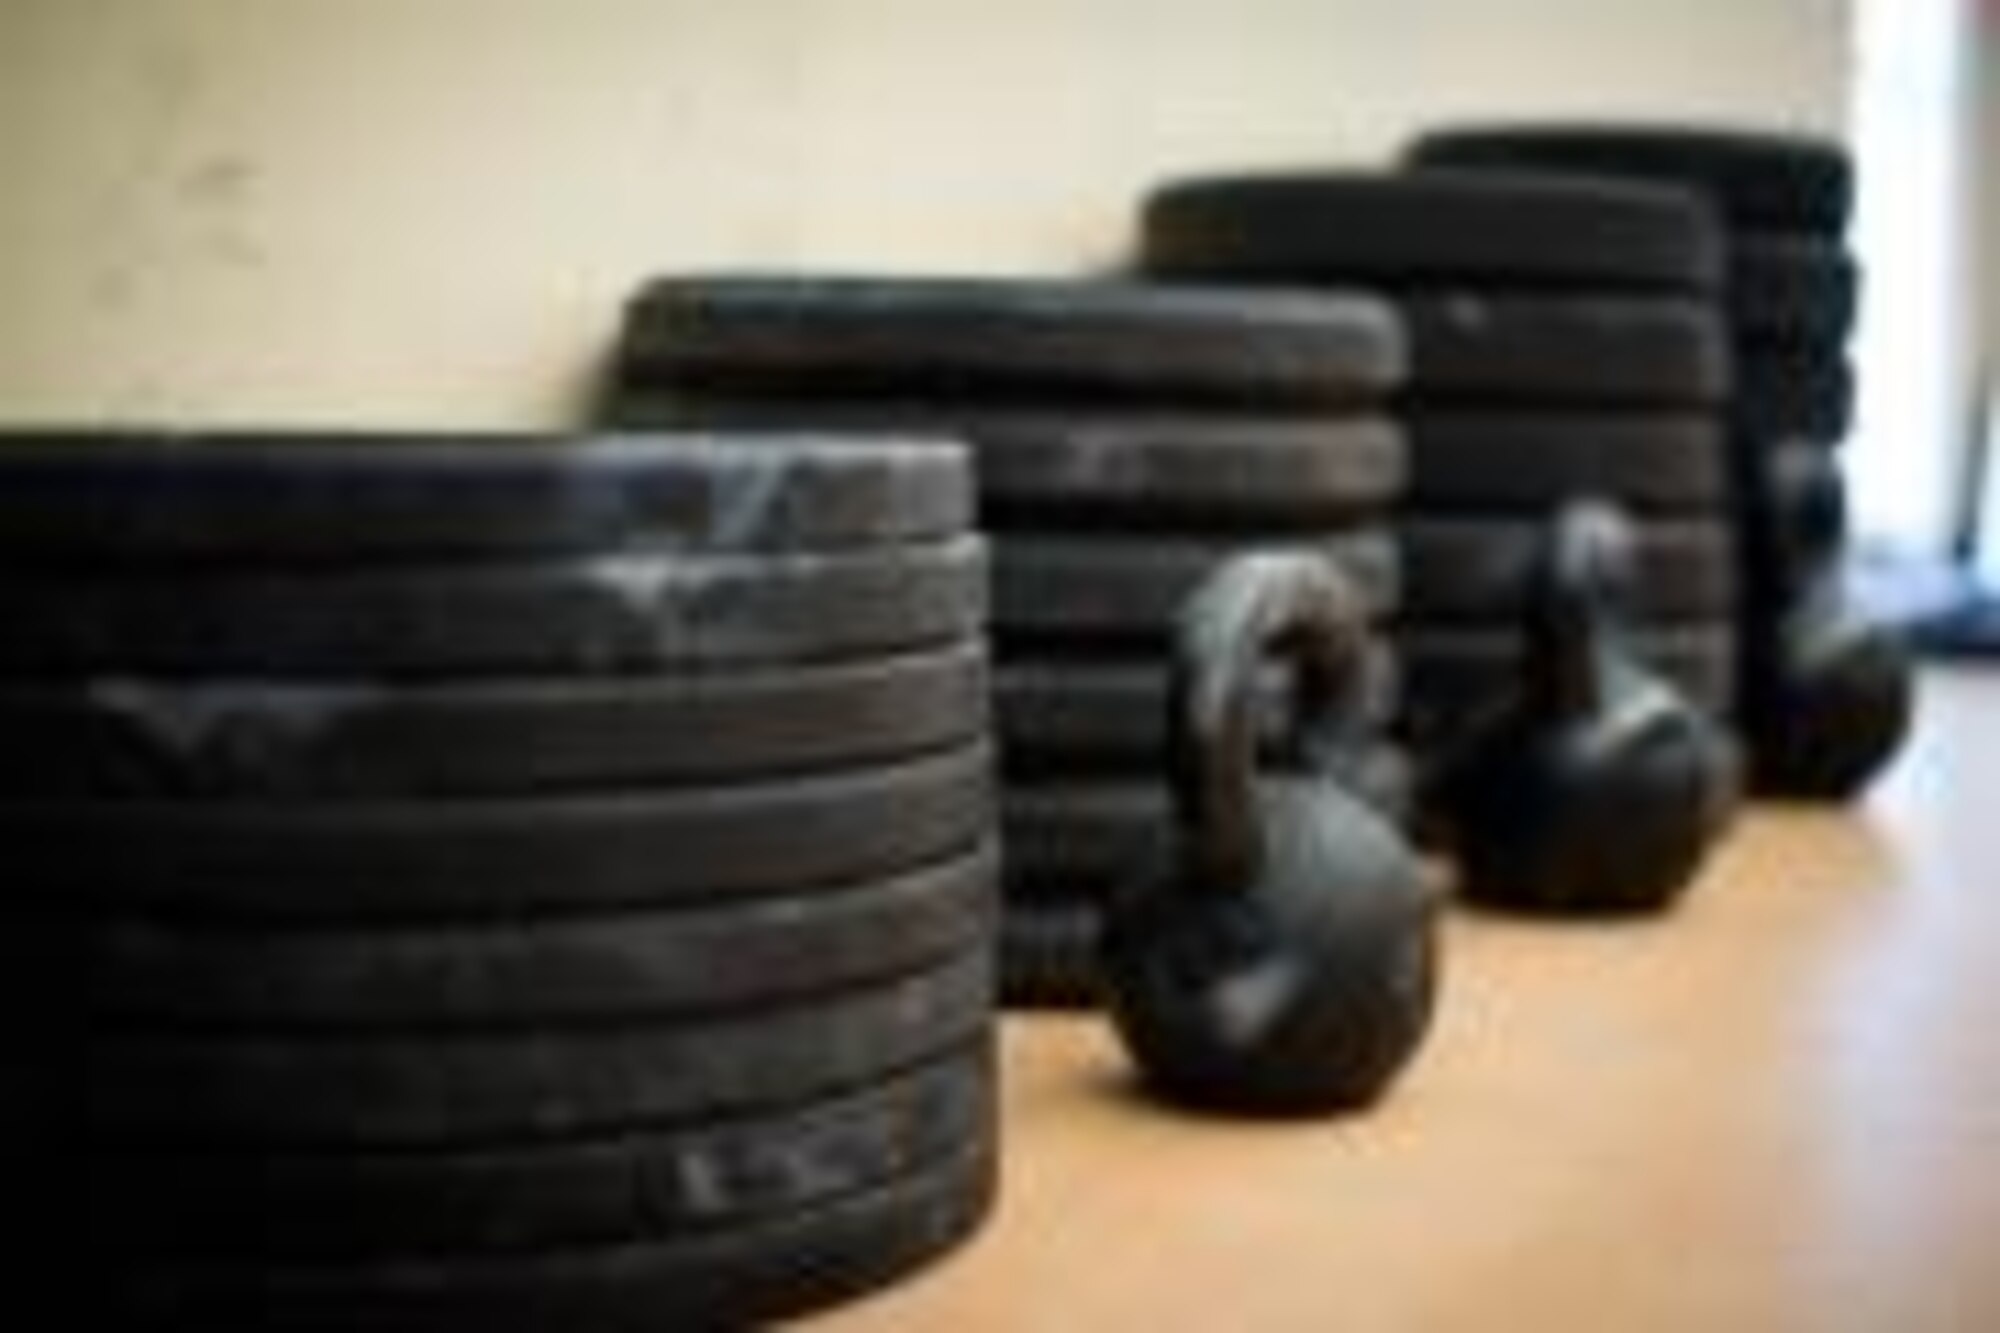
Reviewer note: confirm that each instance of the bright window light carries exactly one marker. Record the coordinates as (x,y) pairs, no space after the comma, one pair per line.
(1911,135)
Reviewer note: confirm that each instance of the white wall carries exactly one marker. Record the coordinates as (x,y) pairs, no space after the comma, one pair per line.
(1986,170)
(427,210)
(1984,230)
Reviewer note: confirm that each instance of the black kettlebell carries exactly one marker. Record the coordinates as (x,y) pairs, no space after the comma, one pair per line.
(1283,960)
(1597,788)
(1839,690)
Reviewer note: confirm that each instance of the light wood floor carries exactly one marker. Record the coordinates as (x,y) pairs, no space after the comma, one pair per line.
(1778,1109)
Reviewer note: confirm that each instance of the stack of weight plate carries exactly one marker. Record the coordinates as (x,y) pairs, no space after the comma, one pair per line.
(1793,289)
(1565,340)
(1126,440)
(491,884)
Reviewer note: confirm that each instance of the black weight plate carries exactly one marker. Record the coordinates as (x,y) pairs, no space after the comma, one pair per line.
(1056,716)
(155,1087)
(734,1277)
(1090,836)
(1118,589)
(1758,181)
(649,1183)
(1782,395)
(518,972)
(1453,678)
(1138,466)
(135,497)
(1479,569)
(1644,460)
(1534,350)
(1048,955)
(599,616)
(1431,228)
(966,336)
(1792,289)
(1067,840)
(140,738)
(486,859)
(1211,470)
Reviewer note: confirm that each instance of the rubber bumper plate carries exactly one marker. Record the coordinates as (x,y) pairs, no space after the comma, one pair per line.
(1466,569)
(513,1198)
(131,737)
(1651,461)
(974,337)
(732,1277)
(1115,589)
(82,498)
(1758,181)
(602,615)
(567,967)
(157,1086)
(1534,350)
(1431,228)
(354,861)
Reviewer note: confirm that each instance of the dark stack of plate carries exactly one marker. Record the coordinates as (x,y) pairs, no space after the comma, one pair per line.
(1825,690)
(1126,439)
(489,883)
(1565,341)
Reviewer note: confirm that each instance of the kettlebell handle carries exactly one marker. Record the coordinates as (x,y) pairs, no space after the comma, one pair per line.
(1577,604)
(1306,612)
(1808,514)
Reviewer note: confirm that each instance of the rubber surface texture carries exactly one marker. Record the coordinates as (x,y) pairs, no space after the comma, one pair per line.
(607,615)
(135,738)
(1797,290)
(967,337)
(1758,181)
(1533,350)
(1056,715)
(1427,228)
(1783,395)
(1464,569)
(1141,467)
(521,972)
(81,498)
(1668,462)
(732,1278)
(161,1088)
(1048,955)
(654,1183)
(489,859)
(1116,589)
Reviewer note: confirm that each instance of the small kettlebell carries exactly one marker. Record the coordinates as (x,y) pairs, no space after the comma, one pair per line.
(1838,691)
(1283,961)
(1597,789)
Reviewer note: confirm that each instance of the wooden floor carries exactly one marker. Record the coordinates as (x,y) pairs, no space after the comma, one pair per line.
(1779,1109)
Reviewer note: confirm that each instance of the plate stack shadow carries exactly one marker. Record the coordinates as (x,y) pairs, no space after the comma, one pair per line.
(1825,688)
(1126,439)
(1565,340)
(489,882)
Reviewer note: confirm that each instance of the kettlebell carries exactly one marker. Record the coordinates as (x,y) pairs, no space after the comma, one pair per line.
(1596,788)
(1839,691)
(1281,957)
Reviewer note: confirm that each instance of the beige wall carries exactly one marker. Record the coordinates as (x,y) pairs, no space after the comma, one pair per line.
(427,210)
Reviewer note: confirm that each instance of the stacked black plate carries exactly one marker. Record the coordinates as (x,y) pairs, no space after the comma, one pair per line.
(1126,439)
(1825,690)
(1565,340)
(489,883)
